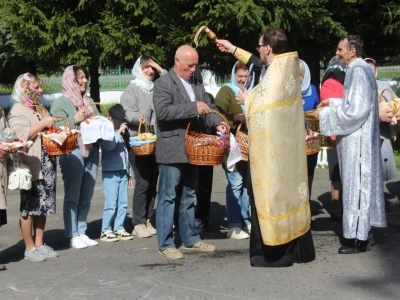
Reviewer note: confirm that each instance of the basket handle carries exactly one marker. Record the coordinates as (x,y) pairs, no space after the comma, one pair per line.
(215,112)
(380,98)
(64,119)
(146,127)
(99,104)
(238,127)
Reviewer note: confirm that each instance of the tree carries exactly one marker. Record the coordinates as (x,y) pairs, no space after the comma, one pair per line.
(309,24)
(55,34)
(11,65)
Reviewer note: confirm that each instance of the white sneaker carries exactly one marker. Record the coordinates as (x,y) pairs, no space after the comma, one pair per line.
(150,228)
(141,231)
(237,233)
(89,242)
(77,243)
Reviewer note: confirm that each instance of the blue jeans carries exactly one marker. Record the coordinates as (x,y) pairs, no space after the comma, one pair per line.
(176,186)
(237,199)
(115,188)
(79,176)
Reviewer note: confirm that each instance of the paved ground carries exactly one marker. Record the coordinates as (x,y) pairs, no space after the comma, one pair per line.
(135,270)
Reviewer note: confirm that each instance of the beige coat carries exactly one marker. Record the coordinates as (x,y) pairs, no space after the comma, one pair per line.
(20,119)
(3,168)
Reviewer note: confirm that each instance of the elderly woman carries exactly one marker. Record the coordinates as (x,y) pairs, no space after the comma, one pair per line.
(237,199)
(79,168)
(28,118)
(3,177)
(137,101)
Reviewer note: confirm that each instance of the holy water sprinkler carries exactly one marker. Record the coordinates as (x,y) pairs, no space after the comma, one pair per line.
(207,30)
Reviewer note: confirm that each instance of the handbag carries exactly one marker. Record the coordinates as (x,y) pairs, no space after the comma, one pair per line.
(19,175)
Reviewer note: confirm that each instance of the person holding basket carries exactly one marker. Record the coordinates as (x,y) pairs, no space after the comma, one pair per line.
(137,101)
(237,198)
(178,99)
(28,118)
(79,168)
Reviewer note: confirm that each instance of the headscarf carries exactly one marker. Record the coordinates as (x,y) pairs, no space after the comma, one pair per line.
(306,84)
(233,84)
(335,70)
(139,79)
(72,92)
(24,92)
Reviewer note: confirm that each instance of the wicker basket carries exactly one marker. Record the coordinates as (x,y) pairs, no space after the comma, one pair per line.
(243,141)
(206,149)
(69,145)
(147,148)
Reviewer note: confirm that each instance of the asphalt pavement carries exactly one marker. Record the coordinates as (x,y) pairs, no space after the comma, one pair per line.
(135,270)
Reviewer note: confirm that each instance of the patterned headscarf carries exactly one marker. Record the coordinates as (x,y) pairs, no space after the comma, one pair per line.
(72,92)
(306,84)
(24,92)
(335,70)
(139,79)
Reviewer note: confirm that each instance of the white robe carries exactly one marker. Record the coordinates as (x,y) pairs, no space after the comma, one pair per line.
(355,122)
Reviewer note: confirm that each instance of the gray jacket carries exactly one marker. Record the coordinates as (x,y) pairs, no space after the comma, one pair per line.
(136,100)
(174,110)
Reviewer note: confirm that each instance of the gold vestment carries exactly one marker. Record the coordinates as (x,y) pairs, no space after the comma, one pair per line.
(277,151)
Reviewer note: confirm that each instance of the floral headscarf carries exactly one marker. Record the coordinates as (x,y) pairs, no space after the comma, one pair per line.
(24,92)
(72,92)
(139,79)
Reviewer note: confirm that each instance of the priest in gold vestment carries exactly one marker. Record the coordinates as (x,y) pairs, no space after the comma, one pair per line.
(280,209)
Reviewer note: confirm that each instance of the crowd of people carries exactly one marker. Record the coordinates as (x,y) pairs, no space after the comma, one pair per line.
(268,193)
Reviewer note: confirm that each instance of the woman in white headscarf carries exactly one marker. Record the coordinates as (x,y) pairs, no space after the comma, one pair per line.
(137,101)
(237,198)
(310,101)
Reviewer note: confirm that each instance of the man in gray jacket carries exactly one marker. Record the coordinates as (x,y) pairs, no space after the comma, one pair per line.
(176,101)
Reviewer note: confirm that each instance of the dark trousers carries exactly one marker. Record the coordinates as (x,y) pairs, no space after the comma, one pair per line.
(204,187)
(144,194)
(312,161)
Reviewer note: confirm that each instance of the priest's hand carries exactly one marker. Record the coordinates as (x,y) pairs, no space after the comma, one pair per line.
(323,103)
(241,96)
(225,46)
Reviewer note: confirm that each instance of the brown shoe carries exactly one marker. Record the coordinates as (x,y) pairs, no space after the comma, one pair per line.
(201,246)
(172,253)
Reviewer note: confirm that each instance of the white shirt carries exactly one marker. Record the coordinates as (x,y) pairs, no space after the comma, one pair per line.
(188,89)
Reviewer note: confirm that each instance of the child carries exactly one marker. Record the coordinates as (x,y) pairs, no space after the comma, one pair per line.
(116,178)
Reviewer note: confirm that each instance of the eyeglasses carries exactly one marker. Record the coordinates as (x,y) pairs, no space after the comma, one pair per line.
(260,46)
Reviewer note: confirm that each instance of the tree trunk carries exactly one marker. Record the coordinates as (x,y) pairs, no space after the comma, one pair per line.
(94,78)
(312,59)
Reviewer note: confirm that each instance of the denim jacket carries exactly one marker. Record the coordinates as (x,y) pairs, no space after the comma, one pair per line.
(114,155)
